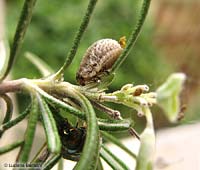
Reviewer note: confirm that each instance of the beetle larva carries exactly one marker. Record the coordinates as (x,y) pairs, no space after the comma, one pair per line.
(98,59)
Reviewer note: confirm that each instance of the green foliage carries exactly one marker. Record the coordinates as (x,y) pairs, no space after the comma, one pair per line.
(51,94)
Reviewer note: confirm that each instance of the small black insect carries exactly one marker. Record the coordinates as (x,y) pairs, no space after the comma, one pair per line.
(72,139)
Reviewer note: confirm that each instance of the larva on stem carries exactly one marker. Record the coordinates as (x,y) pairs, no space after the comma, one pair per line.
(98,59)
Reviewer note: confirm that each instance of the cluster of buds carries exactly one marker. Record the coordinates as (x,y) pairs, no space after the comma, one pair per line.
(136,97)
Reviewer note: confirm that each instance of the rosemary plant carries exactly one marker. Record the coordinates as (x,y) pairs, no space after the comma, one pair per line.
(82,143)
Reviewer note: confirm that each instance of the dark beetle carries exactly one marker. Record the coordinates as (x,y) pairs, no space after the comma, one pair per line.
(72,139)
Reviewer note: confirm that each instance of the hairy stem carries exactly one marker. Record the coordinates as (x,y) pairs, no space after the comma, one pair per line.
(134,35)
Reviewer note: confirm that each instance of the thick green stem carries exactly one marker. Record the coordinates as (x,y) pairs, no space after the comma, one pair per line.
(133,37)
(22,26)
(78,37)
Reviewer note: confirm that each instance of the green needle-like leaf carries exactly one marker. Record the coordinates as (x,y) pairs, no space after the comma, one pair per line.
(112,160)
(114,140)
(133,37)
(60,164)
(51,162)
(78,37)
(22,26)
(90,153)
(44,69)
(9,107)
(12,123)
(53,139)
(30,131)
(10,147)
(114,125)
(42,155)
(99,165)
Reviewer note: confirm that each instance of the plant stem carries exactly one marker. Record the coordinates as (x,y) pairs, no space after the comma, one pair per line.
(42,154)
(11,86)
(60,164)
(77,38)
(99,165)
(112,113)
(25,18)
(134,35)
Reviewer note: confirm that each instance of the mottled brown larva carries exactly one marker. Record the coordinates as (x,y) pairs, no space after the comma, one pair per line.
(98,59)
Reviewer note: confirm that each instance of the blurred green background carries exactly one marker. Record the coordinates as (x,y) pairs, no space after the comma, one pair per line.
(55,23)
